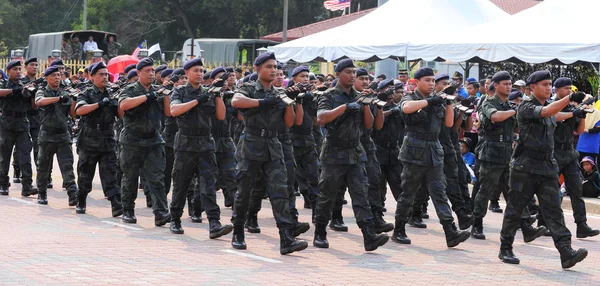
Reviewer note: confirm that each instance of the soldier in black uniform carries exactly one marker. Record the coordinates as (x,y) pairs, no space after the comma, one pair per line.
(159,80)
(535,171)
(566,157)
(343,157)
(422,156)
(96,143)
(55,106)
(141,143)
(14,129)
(259,150)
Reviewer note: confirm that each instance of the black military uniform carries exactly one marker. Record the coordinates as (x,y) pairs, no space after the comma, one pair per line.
(422,156)
(533,170)
(343,160)
(142,149)
(96,145)
(55,139)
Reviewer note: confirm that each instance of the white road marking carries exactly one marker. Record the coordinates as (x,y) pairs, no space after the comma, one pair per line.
(265,259)
(23,201)
(122,225)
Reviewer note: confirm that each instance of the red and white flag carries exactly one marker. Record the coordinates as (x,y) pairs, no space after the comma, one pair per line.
(335,5)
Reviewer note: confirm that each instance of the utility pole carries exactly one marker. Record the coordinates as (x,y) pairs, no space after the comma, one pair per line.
(84,14)
(285,20)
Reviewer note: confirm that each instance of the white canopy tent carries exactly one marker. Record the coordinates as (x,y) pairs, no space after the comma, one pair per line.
(387,31)
(554,30)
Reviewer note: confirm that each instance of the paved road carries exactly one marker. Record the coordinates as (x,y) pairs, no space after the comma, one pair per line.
(52,245)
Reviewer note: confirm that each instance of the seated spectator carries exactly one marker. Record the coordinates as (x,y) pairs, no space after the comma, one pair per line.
(468,157)
(591,178)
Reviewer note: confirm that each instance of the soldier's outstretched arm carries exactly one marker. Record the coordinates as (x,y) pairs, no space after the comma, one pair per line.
(413,106)
(289,116)
(132,102)
(326,116)
(379,119)
(166,108)
(555,107)
(241,101)
(449,116)
(368,117)
(5,92)
(219,108)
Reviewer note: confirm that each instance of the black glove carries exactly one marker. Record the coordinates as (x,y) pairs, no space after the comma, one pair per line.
(267,101)
(151,97)
(513,106)
(322,88)
(219,83)
(466,102)
(579,113)
(577,97)
(308,97)
(104,103)
(64,98)
(396,110)
(202,98)
(594,130)
(17,91)
(292,93)
(353,106)
(435,100)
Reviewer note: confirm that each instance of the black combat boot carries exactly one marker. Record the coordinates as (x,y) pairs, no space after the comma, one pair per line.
(197,212)
(307,204)
(584,230)
(381,225)
(129,216)
(299,227)
(495,207)
(72,198)
(465,220)
(424,213)
(542,222)
(569,257)
(477,229)
(507,256)
(416,220)
(399,235)
(289,244)
(320,240)
(161,218)
(115,205)
(228,200)
(175,226)
(81,203)
(217,229)
(337,222)
(238,239)
(42,198)
(453,235)
(29,191)
(148,201)
(252,224)
(372,240)
(4,190)
(50,185)
(17,176)
(530,233)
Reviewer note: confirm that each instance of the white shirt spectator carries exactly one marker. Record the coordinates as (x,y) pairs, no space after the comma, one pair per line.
(90,46)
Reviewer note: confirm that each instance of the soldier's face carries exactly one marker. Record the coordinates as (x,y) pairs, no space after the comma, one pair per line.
(441,84)
(32,68)
(278,82)
(231,79)
(146,75)
(267,71)
(362,82)
(503,87)
(14,73)
(425,85)
(487,84)
(542,89)
(398,94)
(100,78)
(301,78)
(471,90)
(347,77)
(53,80)
(194,75)
(563,91)
(403,77)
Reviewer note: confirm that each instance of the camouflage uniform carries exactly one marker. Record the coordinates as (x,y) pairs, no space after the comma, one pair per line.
(67,51)
(33,115)
(113,49)
(388,151)
(225,153)
(77,48)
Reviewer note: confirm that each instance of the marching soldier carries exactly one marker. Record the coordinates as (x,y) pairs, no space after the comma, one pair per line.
(55,106)
(259,150)
(14,129)
(96,143)
(534,170)
(142,146)
(343,157)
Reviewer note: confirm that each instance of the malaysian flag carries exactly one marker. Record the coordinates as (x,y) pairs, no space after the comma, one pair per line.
(142,45)
(335,5)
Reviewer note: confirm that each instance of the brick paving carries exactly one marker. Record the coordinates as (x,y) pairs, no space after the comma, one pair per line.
(51,245)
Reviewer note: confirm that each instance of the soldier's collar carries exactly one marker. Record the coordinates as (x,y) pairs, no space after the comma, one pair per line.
(535,101)
(260,86)
(190,87)
(352,91)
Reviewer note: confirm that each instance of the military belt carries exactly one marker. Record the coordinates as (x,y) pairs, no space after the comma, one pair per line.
(385,144)
(563,146)
(265,133)
(220,133)
(194,131)
(143,135)
(283,136)
(301,131)
(423,136)
(537,155)
(54,131)
(346,144)
(498,138)
(14,114)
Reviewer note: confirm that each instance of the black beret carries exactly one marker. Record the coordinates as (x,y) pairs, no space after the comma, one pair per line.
(12,64)
(263,58)
(192,63)
(253,77)
(96,67)
(240,69)
(50,70)
(345,63)
(177,72)
(424,71)
(457,74)
(398,85)
(31,60)
(361,72)
(57,62)
(539,76)
(166,73)
(299,70)
(441,76)
(132,73)
(334,83)
(385,83)
(160,68)
(515,94)
(245,78)
(290,83)
(500,76)
(216,71)
(382,76)
(279,66)
(229,70)
(86,69)
(206,76)
(491,87)
(128,68)
(562,81)
(311,76)
(145,62)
